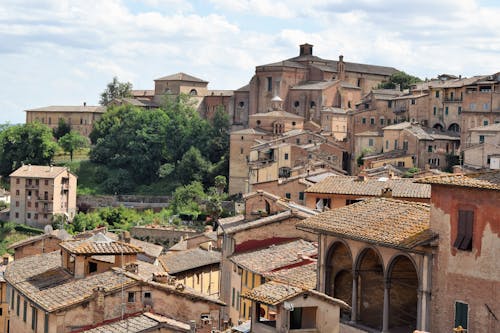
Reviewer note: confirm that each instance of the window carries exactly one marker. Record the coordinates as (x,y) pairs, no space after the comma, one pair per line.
(464,230)
(386,144)
(370,142)
(367,105)
(486,106)
(269,83)
(437,93)
(193,92)
(131,297)
(405,145)
(413,101)
(244,310)
(241,104)
(12,299)
(286,156)
(232,299)
(17,180)
(46,324)
(435,111)
(46,182)
(258,122)
(363,120)
(34,314)
(25,310)
(461,314)
(372,121)
(485,122)
(388,121)
(389,104)
(296,104)
(92,267)
(238,300)
(287,195)
(17,203)
(382,121)
(301,195)
(459,110)
(472,106)
(18,299)
(429,149)
(241,151)
(446,110)
(147,295)
(481,139)
(297,141)
(395,144)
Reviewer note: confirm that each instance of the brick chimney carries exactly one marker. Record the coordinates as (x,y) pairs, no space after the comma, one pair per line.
(341,68)
(306,49)
(386,192)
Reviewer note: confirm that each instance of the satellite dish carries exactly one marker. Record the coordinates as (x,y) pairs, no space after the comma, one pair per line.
(48,229)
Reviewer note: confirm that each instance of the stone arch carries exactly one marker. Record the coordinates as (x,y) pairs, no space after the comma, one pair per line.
(370,298)
(193,92)
(454,128)
(438,126)
(403,280)
(338,279)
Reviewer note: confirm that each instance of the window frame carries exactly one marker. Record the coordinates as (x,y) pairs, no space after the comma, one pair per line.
(465,230)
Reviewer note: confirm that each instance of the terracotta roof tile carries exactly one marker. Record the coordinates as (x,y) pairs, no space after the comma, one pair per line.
(387,222)
(42,279)
(303,276)
(484,180)
(141,323)
(275,256)
(99,244)
(181,77)
(38,171)
(401,188)
(272,293)
(180,261)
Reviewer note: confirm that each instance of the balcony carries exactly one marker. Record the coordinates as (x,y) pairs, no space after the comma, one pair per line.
(31,186)
(452,100)
(45,198)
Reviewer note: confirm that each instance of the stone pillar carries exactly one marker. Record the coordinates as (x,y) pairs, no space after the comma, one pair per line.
(385,318)
(419,309)
(354,305)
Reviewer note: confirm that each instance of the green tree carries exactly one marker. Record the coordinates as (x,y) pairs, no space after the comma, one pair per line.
(115,89)
(72,141)
(187,199)
(399,78)
(25,144)
(220,184)
(192,166)
(62,129)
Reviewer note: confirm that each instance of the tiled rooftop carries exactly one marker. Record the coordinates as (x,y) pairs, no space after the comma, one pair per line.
(141,323)
(303,276)
(179,261)
(382,221)
(42,279)
(181,77)
(70,108)
(99,244)
(485,180)
(272,293)
(401,187)
(275,256)
(38,171)
(61,234)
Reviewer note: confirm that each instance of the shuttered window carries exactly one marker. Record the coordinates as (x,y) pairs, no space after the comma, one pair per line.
(464,230)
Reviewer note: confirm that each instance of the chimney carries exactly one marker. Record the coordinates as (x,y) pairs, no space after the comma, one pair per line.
(341,68)
(306,49)
(125,237)
(386,192)
(98,294)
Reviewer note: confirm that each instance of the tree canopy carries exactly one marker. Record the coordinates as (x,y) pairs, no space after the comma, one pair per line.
(115,89)
(72,141)
(171,144)
(28,143)
(399,78)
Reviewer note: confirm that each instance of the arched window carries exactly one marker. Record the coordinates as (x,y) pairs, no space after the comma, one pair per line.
(296,104)
(193,92)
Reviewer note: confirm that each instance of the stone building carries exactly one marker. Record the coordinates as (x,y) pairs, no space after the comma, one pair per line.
(97,281)
(45,243)
(306,84)
(268,220)
(465,274)
(79,118)
(376,255)
(481,148)
(39,193)
(197,268)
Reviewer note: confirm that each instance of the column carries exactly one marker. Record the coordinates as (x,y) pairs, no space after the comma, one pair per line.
(354,305)
(419,309)
(385,318)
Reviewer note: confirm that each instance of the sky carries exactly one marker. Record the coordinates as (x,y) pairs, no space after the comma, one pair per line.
(62,52)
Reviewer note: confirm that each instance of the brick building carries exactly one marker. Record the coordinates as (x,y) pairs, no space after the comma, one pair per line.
(39,193)
(465,274)
(375,256)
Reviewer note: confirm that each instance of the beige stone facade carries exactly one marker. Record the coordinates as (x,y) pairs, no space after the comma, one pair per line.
(39,193)
(482,147)
(79,118)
